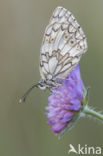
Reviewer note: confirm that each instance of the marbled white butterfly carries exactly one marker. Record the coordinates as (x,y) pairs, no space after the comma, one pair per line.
(63,44)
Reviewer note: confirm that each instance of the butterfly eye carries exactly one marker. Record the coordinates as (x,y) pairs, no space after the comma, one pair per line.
(42,87)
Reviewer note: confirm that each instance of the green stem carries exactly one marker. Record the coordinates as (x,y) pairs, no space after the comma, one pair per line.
(90,112)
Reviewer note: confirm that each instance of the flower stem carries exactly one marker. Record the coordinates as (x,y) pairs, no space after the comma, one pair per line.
(90,112)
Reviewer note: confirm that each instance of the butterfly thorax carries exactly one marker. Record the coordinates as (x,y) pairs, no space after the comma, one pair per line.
(49,83)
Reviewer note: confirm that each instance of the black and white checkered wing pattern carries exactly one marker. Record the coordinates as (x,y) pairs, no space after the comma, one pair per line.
(63,44)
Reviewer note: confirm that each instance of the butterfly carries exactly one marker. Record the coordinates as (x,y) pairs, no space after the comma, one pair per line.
(63,44)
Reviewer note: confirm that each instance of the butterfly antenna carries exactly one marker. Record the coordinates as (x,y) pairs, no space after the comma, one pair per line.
(23,98)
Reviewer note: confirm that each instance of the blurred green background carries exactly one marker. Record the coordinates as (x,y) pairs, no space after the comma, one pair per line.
(23,127)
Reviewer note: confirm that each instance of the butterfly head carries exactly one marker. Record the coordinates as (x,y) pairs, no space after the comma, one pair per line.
(42,84)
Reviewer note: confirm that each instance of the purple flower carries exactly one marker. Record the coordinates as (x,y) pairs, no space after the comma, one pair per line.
(65,101)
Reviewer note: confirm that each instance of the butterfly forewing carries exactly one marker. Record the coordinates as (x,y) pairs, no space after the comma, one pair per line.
(63,44)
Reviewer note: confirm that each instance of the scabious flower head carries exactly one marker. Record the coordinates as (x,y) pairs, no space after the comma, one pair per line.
(65,101)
